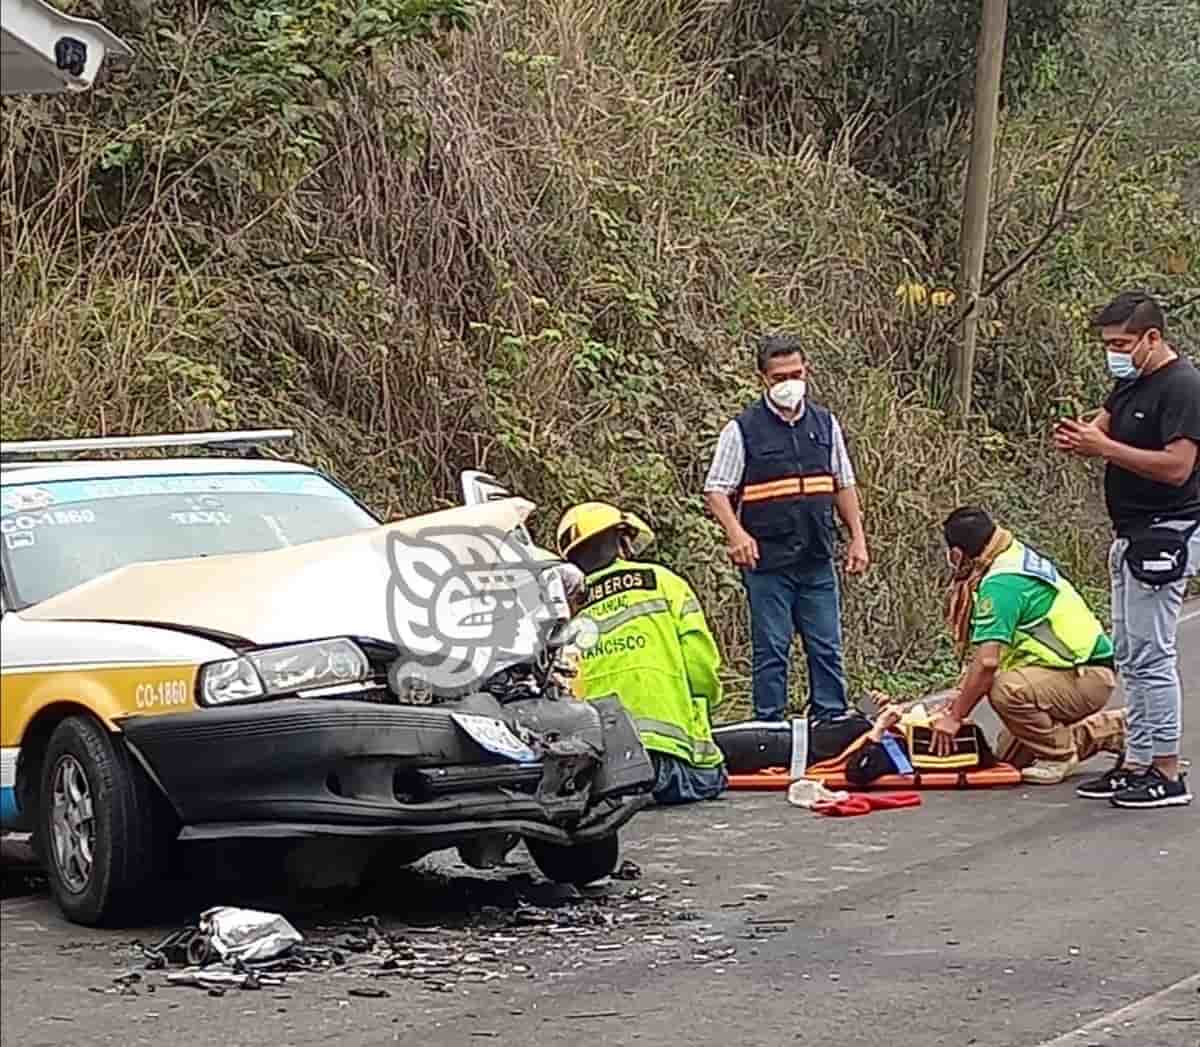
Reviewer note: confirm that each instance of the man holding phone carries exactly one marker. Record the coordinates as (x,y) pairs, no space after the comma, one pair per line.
(1148,435)
(779,472)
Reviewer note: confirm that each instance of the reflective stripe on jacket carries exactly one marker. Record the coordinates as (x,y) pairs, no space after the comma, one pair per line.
(654,651)
(1063,638)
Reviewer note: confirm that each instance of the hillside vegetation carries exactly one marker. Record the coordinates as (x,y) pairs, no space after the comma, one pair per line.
(541,238)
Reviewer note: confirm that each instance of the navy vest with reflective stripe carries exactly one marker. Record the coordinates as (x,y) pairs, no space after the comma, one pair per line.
(786,498)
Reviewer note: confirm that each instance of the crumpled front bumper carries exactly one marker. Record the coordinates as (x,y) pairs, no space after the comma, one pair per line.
(318,767)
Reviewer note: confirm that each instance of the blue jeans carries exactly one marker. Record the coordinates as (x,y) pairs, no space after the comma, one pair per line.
(800,599)
(676,781)
(1145,624)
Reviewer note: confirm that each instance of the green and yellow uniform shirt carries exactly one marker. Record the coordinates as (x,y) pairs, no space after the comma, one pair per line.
(1015,604)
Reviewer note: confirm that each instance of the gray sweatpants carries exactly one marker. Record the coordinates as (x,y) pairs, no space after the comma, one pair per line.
(1145,623)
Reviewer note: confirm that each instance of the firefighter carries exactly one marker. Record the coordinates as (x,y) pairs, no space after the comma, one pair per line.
(650,646)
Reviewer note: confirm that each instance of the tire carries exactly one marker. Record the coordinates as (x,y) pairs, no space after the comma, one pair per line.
(128,837)
(581,864)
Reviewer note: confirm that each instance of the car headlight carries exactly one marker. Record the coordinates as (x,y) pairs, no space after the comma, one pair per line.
(282,670)
(231,681)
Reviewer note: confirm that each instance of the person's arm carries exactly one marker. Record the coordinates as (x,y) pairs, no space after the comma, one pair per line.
(1173,465)
(981,674)
(847,503)
(724,477)
(701,657)
(1179,428)
(857,557)
(721,506)
(885,720)
(994,624)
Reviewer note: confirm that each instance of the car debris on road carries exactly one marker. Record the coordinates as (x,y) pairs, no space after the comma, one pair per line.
(525,939)
(246,934)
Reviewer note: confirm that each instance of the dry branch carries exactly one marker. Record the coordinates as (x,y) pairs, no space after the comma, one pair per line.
(1061,212)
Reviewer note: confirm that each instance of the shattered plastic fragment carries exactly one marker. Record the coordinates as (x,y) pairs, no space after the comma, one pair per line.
(222,978)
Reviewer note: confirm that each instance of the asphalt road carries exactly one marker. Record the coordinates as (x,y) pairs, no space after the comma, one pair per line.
(1006,918)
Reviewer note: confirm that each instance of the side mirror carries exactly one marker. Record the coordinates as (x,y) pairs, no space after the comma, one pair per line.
(479,487)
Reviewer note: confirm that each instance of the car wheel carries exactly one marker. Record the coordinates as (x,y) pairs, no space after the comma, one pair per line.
(105,831)
(580,864)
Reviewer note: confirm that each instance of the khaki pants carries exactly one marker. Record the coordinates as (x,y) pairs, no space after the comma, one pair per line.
(1053,714)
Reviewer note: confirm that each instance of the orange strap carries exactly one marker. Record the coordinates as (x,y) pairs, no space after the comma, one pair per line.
(769,780)
(777,779)
(992,777)
(789,487)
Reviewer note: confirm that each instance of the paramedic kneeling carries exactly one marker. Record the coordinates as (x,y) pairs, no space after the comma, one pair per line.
(1041,655)
(650,647)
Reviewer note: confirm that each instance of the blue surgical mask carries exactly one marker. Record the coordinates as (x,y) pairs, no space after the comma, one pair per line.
(1121,366)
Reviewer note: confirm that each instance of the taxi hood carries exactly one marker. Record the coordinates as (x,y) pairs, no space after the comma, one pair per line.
(385,583)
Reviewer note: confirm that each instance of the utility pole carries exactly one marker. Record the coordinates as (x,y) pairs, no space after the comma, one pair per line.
(989,64)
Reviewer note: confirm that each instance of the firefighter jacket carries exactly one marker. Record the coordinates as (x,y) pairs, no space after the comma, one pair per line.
(651,647)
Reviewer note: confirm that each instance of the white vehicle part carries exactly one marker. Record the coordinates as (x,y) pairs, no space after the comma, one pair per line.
(44,51)
(479,487)
(242,439)
(29,646)
(315,590)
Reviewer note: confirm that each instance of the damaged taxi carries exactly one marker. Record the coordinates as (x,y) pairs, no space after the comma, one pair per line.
(229,646)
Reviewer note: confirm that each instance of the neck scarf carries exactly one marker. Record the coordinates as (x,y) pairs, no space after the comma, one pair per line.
(960,600)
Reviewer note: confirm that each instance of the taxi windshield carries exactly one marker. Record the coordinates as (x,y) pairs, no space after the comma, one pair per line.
(59,534)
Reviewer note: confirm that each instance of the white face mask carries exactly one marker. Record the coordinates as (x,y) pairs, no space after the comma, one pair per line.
(789,394)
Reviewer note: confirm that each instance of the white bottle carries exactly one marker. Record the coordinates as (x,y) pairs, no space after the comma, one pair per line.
(799,748)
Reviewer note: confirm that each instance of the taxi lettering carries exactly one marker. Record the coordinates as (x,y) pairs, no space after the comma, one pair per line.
(202,516)
(161,695)
(49,518)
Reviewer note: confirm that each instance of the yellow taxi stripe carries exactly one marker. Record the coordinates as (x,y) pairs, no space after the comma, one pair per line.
(109,692)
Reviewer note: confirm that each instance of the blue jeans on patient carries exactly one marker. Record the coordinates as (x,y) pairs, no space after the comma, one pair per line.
(803,599)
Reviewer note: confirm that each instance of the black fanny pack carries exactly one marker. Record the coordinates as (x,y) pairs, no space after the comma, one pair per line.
(1158,554)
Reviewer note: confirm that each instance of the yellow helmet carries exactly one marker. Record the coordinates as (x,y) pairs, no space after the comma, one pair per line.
(588,519)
